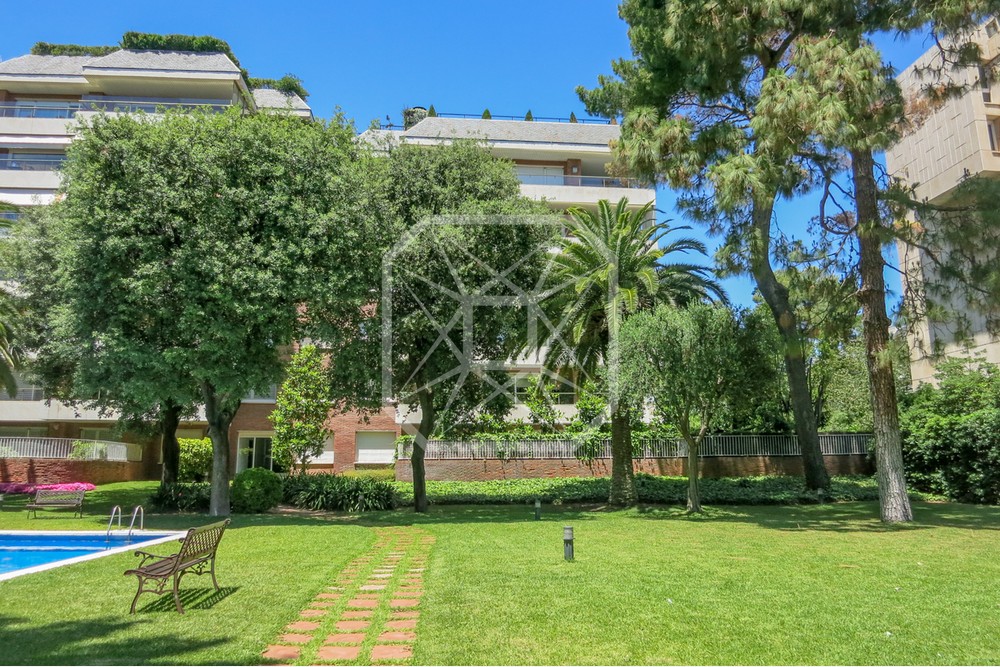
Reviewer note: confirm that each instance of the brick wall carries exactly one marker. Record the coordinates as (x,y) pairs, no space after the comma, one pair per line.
(345,426)
(735,466)
(61,471)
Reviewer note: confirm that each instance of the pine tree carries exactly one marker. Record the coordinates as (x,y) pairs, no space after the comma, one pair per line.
(487,115)
(572,117)
(528,116)
(432,112)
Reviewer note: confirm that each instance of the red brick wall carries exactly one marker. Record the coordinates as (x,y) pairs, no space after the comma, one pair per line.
(741,466)
(345,426)
(61,471)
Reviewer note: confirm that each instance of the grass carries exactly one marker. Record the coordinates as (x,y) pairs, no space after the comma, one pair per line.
(809,584)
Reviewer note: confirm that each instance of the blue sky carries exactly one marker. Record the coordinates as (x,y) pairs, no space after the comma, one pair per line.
(373,59)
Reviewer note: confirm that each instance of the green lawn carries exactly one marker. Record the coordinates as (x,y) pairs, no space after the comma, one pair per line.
(807,584)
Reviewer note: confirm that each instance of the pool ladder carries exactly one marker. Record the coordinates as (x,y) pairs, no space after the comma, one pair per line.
(116,511)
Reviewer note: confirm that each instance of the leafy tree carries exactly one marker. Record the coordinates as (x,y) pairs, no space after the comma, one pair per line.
(195,459)
(185,248)
(690,362)
(614,262)
(426,264)
(301,410)
(538,401)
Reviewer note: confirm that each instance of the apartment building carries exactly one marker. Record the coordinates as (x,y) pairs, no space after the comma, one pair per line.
(42,97)
(956,138)
(42,100)
(561,163)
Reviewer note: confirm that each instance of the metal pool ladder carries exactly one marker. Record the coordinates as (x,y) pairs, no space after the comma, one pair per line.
(141,513)
(115,511)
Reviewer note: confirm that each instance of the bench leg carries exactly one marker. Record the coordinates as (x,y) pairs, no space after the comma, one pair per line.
(177,597)
(136,598)
(214,582)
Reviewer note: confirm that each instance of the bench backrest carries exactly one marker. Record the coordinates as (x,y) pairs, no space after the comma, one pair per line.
(56,497)
(201,543)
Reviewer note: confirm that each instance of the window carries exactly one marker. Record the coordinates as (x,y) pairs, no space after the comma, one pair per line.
(992,28)
(96,434)
(254,451)
(25,392)
(263,397)
(377,447)
(326,458)
(985,84)
(23,431)
(993,130)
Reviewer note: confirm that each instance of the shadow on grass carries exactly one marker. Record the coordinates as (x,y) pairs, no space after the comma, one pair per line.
(836,517)
(191,598)
(91,642)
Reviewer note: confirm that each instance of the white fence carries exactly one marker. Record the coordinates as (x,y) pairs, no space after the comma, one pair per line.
(836,444)
(69,448)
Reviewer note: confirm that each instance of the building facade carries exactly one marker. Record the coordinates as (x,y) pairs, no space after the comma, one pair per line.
(43,97)
(952,140)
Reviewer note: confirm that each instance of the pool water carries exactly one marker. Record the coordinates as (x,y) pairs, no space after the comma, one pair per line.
(22,550)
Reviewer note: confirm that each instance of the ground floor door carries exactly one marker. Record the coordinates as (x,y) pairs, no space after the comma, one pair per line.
(254,451)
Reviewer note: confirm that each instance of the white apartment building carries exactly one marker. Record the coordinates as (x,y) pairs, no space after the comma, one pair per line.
(563,164)
(42,99)
(955,139)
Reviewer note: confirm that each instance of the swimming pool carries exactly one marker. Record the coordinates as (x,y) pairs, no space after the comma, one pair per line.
(28,551)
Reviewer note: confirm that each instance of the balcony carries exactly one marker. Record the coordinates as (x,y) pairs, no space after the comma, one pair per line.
(569,190)
(28,162)
(63,110)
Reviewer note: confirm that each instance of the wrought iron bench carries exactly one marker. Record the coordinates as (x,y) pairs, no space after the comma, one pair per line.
(197,555)
(54,499)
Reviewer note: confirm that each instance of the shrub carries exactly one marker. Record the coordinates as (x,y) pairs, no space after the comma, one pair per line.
(89,451)
(773,490)
(195,459)
(338,492)
(181,498)
(255,490)
(385,474)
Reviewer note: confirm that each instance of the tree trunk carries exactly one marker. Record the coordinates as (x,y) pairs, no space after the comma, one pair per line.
(424,432)
(694,493)
(776,296)
(170,417)
(623,493)
(894,504)
(219,417)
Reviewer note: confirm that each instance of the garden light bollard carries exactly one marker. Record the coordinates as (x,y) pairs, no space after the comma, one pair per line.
(568,542)
(538,509)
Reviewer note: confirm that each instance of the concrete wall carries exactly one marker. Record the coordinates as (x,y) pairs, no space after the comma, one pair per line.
(735,466)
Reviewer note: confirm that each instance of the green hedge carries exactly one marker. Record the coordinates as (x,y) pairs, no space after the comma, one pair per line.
(338,492)
(774,490)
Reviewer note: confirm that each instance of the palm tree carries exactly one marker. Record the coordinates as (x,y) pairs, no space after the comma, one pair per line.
(9,355)
(614,261)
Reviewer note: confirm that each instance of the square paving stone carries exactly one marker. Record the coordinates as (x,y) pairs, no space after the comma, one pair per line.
(338,653)
(398,603)
(275,652)
(294,638)
(405,624)
(346,638)
(397,636)
(362,604)
(349,626)
(392,652)
(302,626)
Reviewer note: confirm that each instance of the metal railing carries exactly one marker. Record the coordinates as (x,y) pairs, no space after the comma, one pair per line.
(541,119)
(24,393)
(68,448)
(69,109)
(33,163)
(581,181)
(833,444)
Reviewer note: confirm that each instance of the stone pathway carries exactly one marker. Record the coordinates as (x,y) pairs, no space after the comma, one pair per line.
(369,613)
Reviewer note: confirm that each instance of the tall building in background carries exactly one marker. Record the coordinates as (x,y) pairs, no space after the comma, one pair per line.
(957,138)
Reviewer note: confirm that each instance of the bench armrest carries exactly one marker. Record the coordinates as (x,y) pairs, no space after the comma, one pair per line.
(146,556)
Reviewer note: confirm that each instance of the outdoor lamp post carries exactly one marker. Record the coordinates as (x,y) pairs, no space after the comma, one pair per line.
(568,542)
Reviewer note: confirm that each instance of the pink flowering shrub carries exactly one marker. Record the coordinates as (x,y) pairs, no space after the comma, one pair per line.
(16,487)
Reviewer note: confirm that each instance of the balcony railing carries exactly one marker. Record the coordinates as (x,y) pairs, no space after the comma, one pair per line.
(581,181)
(68,448)
(540,119)
(69,109)
(33,163)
